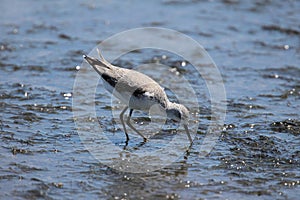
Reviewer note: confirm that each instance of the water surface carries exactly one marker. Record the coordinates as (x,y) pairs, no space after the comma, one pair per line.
(255,44)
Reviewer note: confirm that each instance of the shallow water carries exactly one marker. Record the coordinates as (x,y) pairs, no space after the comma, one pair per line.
(255,45)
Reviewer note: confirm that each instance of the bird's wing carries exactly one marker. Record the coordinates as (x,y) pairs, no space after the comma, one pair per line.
(126,82)
(140,85)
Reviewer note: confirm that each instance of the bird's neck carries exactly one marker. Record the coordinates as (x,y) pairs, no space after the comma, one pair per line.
(171,105)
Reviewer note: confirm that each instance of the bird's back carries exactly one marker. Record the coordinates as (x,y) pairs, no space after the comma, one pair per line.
(141,90)
(133,88)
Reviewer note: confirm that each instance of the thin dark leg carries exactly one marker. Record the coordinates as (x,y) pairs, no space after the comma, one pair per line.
(122,121)
(132,127)
(188,134)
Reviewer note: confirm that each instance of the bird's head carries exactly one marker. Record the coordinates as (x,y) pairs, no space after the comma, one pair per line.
(179,113)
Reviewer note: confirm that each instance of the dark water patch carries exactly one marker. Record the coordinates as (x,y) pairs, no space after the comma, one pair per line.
(16,151)
(50,42)
(67,68)
(41,27)
(291,126)
(272,46)
(288,31)
(27,116)
(233,28)
(136,51)
(238,106)
(155,23)
(292,92)
(15,137)
(1,124)
(24,168)
(255,146)
(157,57)
(141,119)
(261,6)
(180,3)
(36,68)
(288,73)
(104,107)
(166,135)
(109,126)
(229,127)
(205,34)
(178,67)
(64,36)
(76,53)
(230,1)
(259,192)
(123,63)
(41,191)
(9,177)
(58,185)
(49,108)
(70,61)
(20,94)
(283,95)
(33,94)
(6,47)
(7,135)
(290,183)
(11,25)
(9,67)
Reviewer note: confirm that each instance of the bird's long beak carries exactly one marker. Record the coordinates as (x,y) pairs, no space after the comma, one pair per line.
(99,66)
(90,60)
(188,133)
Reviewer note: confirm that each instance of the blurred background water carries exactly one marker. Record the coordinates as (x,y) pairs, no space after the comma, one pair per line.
(255,44)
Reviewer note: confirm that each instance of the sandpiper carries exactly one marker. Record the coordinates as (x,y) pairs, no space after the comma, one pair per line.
(138,92)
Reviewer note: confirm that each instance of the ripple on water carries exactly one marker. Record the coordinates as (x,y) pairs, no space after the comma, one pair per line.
(291,126)
(288,31)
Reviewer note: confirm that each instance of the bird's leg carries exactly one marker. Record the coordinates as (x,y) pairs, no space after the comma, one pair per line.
(188,134)
(122,121)
(132,127)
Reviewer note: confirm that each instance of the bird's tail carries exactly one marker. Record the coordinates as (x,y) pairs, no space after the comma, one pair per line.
(99,65)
